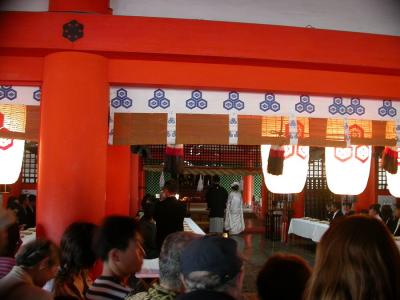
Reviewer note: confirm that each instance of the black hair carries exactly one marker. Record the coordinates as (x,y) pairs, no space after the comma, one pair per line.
(337,205)
(76,248)
(235,187)
(215,179)
(148,205)
(114,233)
(171,186)
(35,251)
(22,198)
(376,207)
(13,241)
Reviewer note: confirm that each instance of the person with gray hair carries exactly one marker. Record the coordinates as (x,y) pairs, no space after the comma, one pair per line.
(170,284)
(212,268)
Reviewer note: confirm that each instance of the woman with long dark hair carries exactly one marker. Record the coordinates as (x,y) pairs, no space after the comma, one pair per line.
(77,258)
(357,259)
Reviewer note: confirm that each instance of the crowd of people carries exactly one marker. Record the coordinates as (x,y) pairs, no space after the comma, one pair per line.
(357,259)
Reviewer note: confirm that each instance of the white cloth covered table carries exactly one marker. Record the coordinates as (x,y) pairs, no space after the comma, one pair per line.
(308,229)
(150,267)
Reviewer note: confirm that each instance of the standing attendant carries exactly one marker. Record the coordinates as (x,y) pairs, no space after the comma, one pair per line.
(168,213)
(234,221)
(216,198)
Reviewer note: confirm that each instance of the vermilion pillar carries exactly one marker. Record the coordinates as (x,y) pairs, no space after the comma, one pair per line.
(298,205)
(73,141)
(118,180)
(247,189)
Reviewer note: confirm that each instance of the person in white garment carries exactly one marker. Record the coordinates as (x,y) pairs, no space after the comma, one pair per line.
(234,222)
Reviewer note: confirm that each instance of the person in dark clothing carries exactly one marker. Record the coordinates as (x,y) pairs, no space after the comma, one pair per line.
(337,213)
(147,226)
(23,214)
(216,198)
(169,212)
(31,211)
(347,209)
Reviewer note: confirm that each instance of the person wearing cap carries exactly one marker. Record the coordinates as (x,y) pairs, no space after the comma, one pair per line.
(216,197)
(211,268)
(234,221)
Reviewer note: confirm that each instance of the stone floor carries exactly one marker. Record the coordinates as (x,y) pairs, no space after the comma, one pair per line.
(256,248)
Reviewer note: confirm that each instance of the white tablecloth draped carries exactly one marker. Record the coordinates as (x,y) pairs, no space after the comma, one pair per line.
(150,267)
(308,229)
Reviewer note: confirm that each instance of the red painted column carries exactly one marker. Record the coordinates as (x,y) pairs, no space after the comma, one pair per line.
(73,141)
(118,196)
(87,6)
(247,189)
(264,200)
(369,196)
(136,183)
(298,205)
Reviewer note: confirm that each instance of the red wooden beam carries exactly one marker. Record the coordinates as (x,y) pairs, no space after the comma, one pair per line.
(179,39)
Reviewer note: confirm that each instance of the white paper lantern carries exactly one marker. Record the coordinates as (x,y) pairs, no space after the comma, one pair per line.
(393,180)
(11,154)
(295,167)
(347,169)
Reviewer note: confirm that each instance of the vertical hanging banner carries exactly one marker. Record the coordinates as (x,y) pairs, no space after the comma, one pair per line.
(347,133)
(397,132)
(171,128)
(233,128)
(293,135)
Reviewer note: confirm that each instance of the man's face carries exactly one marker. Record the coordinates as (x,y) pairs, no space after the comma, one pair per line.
(131,259)
(372,213)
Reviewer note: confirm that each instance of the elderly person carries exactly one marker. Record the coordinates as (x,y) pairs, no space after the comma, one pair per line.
(37,262)
(212,268)
(170,284)
(234,221)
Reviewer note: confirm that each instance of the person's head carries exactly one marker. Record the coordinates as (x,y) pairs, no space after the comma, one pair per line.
(212,263)
(235,186)
(13,241)
(170,188)
(148,204)
(12,202)
(23,200)
(374,210)
(386,212)
(32,200)
(346,207)
(215,179)
(170,255)
(397,210)
(76,248)
(283,276)
(40,258)
(337,206)
(118,244)
(357,259)
(7,217)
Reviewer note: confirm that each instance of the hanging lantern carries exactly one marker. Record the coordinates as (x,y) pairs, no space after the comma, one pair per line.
(11,154)
(393,180)
(347,169)
(295,168)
